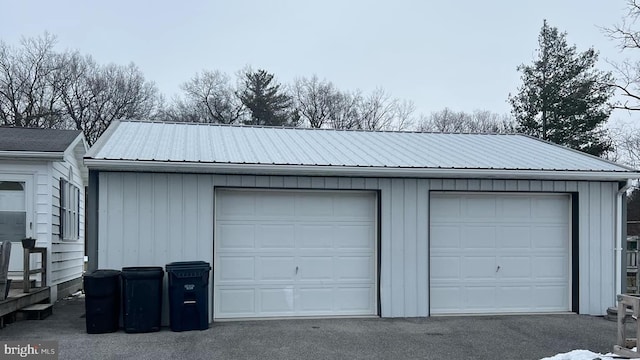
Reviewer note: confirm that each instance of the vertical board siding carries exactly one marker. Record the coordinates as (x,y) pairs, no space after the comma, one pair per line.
(387,304)
(594,246)
(422,248)
(153,219)
(607,242)
(396,243)
(410,227)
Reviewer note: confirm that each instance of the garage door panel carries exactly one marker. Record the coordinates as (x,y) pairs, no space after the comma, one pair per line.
(448,208)
(447,299)
(478,237)
(278,268)
(302,254)
(276,300)
(552,297)
(357,300)
(549,236)
(550,209)
(445,237)
(271,205)
(357,207)
(514,237)
(243,205)
(515,208)
(515,298)
(492,253)
(479,267)
(313,205)
(354,268)
(316,299)
(237,268)
(315,268)
(479,207)
(480,298)
(355,237)
(314,236)
(236,236)
(445,268)
(514,268)
(237,302)
(276,236)
(550,267)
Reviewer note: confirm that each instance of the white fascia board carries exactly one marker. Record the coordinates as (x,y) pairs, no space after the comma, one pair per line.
(32,155)
(311,170)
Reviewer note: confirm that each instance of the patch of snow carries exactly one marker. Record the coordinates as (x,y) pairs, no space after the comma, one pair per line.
(583,355)
(78,294)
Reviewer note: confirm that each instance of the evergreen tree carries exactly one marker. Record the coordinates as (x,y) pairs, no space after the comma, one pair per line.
(564,98)
(267,102)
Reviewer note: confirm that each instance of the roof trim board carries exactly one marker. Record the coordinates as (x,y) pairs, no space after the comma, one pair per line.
(33,155)
(311,170)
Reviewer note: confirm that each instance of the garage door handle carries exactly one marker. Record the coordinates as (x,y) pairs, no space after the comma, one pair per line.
(498,269)
(296,270)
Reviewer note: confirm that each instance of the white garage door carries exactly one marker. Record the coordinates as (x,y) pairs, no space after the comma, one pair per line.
(499,253)
(294,253)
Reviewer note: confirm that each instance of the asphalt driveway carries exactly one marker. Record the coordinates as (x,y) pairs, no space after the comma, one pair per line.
(486,337)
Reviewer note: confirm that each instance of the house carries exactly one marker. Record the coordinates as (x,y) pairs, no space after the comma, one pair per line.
(42,186)
(309,222)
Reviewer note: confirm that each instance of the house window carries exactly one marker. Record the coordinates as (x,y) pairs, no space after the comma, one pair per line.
(69,211)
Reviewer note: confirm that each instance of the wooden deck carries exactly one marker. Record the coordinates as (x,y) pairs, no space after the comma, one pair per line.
(18,299)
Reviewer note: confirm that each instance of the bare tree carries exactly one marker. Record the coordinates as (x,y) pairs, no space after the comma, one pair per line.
(316,101)
(28,89)
(93,95)
(627,146)
(627,71)
(480,121)
(344,114)
(40,87)
(209,97)
(380,111)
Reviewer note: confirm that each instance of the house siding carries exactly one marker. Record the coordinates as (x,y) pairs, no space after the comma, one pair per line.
(67,257)
(151,219)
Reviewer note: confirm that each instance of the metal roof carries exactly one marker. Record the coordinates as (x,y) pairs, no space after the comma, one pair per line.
(148,143)
(38,140)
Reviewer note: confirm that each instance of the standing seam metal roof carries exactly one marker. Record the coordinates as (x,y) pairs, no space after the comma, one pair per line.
(215,143)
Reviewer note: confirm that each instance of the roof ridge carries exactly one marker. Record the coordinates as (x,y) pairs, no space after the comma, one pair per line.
(193,123)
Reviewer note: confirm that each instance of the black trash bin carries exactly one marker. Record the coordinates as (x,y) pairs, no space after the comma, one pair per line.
(188,295)
(142,298)
(102,301)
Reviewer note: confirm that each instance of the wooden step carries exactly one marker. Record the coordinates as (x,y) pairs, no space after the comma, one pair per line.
(37,311)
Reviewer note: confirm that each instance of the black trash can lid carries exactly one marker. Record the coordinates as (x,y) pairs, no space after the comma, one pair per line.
(184,264)
(103,273)
(188,265)
(142,272)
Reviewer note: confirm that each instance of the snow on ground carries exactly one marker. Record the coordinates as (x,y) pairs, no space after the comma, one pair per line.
(583,355)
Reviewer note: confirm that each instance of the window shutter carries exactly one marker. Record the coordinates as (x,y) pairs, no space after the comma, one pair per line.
(63,198)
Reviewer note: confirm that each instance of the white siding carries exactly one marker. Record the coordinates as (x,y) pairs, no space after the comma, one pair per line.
(67,257)
(154,219)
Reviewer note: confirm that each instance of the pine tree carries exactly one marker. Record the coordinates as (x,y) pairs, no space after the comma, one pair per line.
(564,98)
(268,103)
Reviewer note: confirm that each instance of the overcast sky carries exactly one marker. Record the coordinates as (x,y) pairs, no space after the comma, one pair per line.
(458,54)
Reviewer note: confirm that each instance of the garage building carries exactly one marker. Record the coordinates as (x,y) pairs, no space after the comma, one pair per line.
(311,222)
